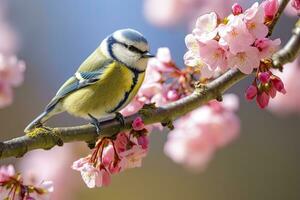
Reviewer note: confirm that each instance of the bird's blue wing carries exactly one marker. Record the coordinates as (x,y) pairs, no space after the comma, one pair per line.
(76,82)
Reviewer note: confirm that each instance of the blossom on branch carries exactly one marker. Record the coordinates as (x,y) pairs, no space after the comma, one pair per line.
(46,165)
(114,155)
(11,69)
(238,41)
(164,83)
(12,186)
(199,134)
(11,75)
(264,86)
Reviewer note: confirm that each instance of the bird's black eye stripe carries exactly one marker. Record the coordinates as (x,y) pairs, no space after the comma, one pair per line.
(112,40)
(134,49)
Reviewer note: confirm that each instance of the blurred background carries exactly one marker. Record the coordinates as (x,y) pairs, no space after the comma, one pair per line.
(54,37)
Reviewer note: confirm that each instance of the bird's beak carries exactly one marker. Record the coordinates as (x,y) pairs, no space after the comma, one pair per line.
(148,55)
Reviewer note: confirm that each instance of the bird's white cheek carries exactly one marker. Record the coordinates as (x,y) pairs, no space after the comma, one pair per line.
(124,55)
(141,64)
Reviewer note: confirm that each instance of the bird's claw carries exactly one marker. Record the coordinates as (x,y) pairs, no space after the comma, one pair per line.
(96,123)
(120,118)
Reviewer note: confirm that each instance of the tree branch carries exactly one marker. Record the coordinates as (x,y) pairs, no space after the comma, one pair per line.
(44,138)
(290,51)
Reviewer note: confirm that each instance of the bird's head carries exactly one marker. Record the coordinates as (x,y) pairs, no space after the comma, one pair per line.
(127,46)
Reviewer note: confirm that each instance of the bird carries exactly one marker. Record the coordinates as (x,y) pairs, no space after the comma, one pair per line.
(104,83)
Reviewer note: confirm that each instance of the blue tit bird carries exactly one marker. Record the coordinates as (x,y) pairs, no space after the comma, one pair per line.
(105,82)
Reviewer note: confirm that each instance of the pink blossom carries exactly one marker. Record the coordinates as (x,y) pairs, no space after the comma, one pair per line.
(6,95)
(22,188)
(236,9)
(214,55)
(48,189)
(270,8)
(11,70)
(251,92)
(192,57)
(199,134)
(11,75)
(108,160)
(192,149)
(35,166)
(267,47)
(255,18)
(94,177)
(245,61)
(206,27)
(143,141)
(163,60)
(112,156)
(164,55)
(234,32)
(138,124)
(6,172)
(121,142)
(133,157)
(230,102)
(133,107)
(296,4)
(262,100)
(79,164)
(172,95)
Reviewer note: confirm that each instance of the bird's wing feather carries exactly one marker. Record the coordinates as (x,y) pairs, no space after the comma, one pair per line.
(80,80)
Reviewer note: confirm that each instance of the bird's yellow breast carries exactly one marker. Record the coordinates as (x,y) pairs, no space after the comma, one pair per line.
(112,92)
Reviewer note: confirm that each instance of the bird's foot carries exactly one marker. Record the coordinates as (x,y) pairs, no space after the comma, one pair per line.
(120,118)
(96,123)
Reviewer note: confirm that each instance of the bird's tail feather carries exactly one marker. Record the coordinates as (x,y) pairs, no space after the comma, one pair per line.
(37,122)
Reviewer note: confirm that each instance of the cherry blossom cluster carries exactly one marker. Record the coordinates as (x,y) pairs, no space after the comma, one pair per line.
(46,165)
(11,69)
(237,41)
(114,155)
(264,86)
(199,134)
(11,75)
(12,187)
(164,83)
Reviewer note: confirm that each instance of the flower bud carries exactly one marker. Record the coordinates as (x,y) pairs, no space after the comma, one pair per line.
(271,8)
(138,124)
(278,84)
(143,141)
(296,4)
(172,95)
(272,92)
(251,92)
(262,100)
(236,9)
(264,77)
